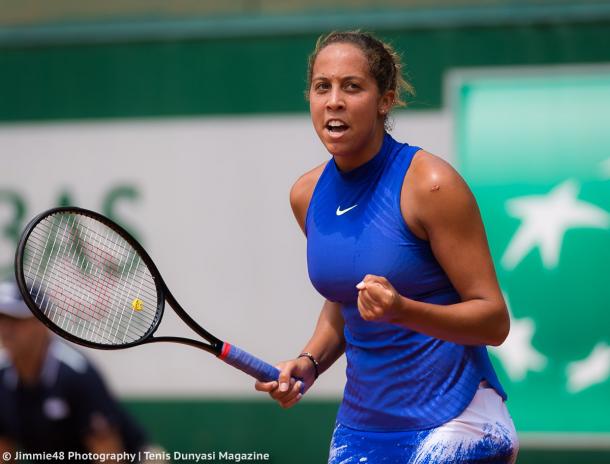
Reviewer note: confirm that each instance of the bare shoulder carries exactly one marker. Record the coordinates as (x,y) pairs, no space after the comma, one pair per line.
(436,192)
(430,173)
(302,191)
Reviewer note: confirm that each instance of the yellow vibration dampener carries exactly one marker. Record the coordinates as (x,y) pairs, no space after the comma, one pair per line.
(137,304)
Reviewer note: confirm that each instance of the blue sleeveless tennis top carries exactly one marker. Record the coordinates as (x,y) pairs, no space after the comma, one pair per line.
(397,379)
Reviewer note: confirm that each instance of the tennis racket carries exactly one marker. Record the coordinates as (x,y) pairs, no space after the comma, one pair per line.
(91,282)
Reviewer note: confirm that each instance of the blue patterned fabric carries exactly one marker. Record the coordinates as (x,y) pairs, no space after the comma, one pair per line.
(397,379)
(484,433)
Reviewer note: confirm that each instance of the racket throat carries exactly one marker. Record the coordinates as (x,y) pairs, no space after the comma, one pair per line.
(224,351)
(214,348)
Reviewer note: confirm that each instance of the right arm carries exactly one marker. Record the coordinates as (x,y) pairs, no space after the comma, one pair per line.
(327,343)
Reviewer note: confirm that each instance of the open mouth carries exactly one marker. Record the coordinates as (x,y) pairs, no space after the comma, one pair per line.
(336,127)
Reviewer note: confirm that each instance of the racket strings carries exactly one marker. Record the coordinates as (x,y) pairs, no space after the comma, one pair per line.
(71,294)
(88,280)
(35,239)
(102,284)
(91,284)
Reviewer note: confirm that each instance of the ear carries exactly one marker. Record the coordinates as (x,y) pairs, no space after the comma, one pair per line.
(386,102)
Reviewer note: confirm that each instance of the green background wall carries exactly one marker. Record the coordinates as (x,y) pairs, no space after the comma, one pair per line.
(257,74)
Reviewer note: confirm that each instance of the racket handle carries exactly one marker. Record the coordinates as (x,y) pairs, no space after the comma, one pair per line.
(250,364)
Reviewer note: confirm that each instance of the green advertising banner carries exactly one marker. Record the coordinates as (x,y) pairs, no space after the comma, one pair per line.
(534,145)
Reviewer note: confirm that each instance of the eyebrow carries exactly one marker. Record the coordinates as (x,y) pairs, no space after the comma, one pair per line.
(342,78)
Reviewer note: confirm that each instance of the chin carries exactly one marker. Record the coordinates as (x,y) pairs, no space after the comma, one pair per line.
(337,150)
(345,154)
(338,147)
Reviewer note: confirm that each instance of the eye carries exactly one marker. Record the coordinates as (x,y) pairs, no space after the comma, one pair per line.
(352,86)
(321,86)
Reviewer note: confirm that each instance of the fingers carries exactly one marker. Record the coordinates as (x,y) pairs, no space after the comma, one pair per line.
(289,390)
(288,397)
(286,390)
(265,386)
(377,286)
(367,307)
(294,398)
(291,396)
(376,297)
(371,278)
(284,378)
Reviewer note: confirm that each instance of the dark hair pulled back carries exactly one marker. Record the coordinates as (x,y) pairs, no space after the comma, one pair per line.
(384,62)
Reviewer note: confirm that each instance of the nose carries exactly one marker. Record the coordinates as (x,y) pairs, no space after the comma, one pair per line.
(335,99)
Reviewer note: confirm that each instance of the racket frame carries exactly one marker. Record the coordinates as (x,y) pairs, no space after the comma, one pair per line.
(163,293)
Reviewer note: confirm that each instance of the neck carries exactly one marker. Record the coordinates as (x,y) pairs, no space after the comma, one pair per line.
(28,364)
(353,161)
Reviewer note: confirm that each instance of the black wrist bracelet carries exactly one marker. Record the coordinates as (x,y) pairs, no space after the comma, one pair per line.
(316,365)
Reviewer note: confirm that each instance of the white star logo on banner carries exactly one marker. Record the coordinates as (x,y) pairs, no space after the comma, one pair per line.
(517,354)
(592,370)
(544,221)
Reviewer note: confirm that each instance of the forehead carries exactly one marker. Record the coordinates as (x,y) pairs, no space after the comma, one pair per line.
(341,59)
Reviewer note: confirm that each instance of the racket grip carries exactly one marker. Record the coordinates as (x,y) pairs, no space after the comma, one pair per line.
(249,364)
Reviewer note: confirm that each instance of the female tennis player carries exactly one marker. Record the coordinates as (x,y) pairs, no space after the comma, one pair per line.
(396,245)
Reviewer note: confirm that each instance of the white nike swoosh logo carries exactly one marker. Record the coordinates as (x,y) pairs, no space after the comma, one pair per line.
(340,212)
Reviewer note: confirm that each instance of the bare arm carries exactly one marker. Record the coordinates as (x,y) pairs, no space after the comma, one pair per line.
(439,206)
(327,343)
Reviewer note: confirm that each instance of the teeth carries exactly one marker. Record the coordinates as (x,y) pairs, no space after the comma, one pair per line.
(335,124)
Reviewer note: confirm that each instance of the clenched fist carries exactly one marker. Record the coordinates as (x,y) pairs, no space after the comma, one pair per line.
(378,300)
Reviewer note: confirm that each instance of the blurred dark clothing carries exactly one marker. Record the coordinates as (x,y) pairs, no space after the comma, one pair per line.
(58,413)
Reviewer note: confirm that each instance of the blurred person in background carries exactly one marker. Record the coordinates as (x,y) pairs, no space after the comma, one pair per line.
(51,397)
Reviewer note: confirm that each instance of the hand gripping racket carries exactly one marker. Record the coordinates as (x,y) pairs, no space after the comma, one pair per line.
(92,283)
